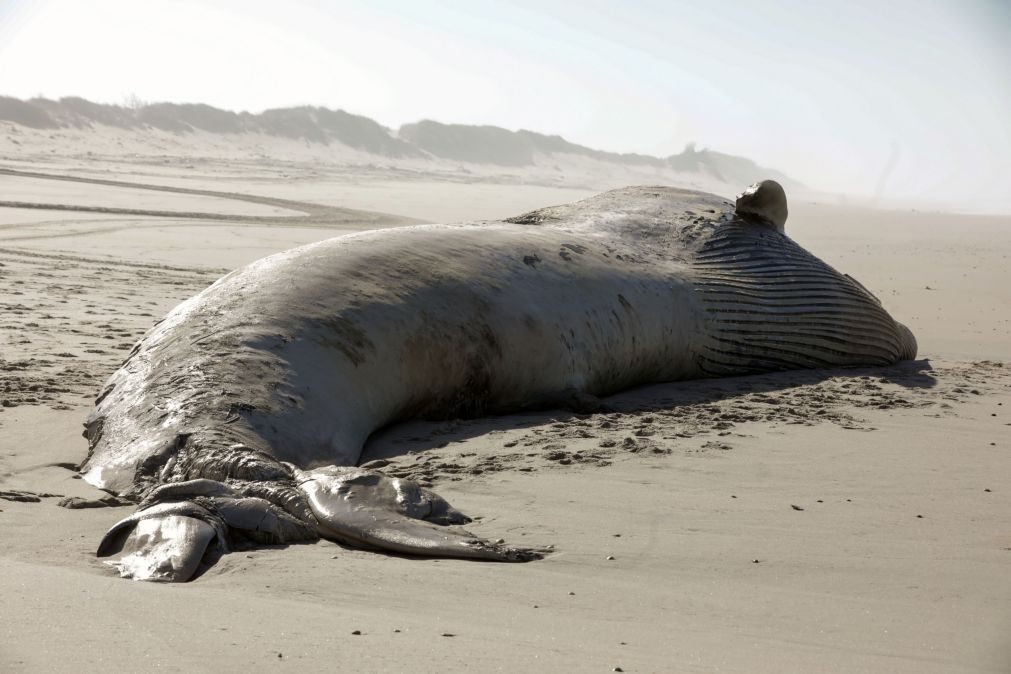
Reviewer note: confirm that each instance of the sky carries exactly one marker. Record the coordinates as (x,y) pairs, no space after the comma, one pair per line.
(895,100)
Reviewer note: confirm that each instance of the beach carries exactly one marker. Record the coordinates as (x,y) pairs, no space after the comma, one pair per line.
(848,520)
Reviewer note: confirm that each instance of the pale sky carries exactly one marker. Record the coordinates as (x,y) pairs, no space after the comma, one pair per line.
(829,92)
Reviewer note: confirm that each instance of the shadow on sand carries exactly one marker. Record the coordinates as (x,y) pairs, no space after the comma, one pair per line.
(420,436)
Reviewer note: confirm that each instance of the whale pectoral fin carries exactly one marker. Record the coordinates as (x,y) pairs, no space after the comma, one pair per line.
(368,509)
(168,548)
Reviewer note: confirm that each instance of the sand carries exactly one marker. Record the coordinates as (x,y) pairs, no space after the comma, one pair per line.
(817,521)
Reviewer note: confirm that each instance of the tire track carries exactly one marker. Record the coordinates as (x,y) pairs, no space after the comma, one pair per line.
(109,262)
(313,215)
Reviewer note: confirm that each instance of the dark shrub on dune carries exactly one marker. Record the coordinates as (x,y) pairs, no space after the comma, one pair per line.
(477,144)
(183,117)
(297,123)
(25,113)
(80,112)
(363,133)
(558,145)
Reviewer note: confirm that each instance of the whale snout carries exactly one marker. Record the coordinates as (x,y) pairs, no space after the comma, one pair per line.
(907,342)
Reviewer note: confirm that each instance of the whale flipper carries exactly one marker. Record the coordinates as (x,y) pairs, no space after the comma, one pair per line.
(367,509)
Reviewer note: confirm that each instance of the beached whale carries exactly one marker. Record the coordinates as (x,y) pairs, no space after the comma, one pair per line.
(242,414)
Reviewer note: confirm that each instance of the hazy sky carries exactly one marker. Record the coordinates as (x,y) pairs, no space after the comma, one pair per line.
(830,92)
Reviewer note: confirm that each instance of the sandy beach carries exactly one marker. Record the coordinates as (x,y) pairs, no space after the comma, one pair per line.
(840,521)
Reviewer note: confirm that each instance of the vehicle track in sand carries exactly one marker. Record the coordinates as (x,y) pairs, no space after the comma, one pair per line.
(307,214)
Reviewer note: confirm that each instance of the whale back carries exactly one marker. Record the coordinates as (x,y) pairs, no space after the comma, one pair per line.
(663,222)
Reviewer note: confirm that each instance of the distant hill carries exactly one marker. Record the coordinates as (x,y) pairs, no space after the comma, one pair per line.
(488,145)
(495,145)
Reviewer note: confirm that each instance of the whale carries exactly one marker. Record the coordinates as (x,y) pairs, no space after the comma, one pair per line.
(240,418)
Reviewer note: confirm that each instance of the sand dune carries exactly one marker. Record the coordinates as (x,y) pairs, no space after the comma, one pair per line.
(852,520)
(425,140)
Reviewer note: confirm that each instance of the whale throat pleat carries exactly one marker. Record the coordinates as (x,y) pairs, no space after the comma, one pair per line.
(771,305)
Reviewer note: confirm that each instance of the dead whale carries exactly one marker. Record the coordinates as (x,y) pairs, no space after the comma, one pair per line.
(241,416)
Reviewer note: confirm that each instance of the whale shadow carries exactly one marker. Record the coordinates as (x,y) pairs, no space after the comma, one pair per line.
(418,436)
